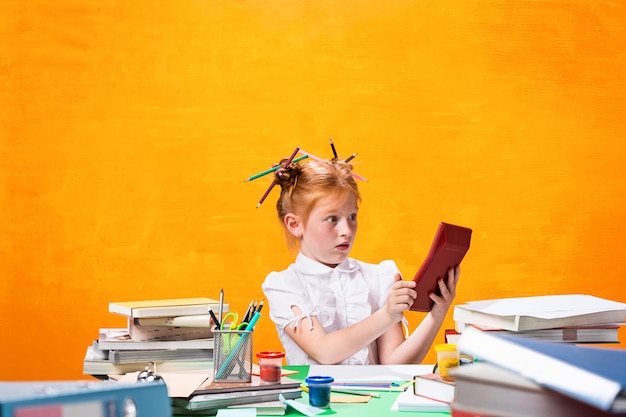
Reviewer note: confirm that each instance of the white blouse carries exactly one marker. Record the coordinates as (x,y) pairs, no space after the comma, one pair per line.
(339,297)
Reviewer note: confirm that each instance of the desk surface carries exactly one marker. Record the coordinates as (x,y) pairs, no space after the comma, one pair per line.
(379,407)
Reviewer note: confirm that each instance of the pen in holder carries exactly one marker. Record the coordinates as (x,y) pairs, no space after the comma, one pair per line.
(233,353)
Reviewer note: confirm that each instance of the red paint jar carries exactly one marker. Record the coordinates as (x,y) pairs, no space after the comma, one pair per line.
(270,365)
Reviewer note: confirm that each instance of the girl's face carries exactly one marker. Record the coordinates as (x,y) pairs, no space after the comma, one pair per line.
(329,232)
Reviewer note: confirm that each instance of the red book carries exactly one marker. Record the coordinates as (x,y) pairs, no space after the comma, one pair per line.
(455,411)
(450,245)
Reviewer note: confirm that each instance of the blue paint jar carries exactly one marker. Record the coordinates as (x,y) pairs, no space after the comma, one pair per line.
(319,390)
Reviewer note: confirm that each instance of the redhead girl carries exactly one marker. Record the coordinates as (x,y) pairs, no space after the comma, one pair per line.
(332,309)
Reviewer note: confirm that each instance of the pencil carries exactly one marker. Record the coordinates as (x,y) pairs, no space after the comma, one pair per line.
(351,157)
(332,147)
(352,392)
(293,155)
(273,169)
(372,384)
(265,194)
(346,391)
(408,384)
(317,158)
(357,176)
(249,311)
(220,311)
(310,155)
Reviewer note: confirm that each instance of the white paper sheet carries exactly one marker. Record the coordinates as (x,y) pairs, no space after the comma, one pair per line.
(370,372)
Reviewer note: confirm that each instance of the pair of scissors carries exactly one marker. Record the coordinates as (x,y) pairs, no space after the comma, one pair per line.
(230,322)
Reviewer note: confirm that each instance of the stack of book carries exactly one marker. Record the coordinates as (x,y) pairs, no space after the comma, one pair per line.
(175,334)
(562,320)
(568,318)
(211,396)
(519,377)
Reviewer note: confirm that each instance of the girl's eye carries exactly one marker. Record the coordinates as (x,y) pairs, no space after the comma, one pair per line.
(332,219)
(352,217)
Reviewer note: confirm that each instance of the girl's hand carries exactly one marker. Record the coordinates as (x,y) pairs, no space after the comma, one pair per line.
(448,292)
(400,298)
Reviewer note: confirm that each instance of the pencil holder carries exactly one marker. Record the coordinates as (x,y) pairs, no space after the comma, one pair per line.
(232,356)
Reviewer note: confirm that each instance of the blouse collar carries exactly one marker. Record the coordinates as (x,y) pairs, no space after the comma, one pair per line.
(310,266)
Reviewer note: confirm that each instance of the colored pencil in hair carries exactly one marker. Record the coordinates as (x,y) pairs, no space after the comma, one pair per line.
(273,169)
(332,147)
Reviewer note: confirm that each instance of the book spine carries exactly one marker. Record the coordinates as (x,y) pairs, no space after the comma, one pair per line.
(192,310)
(202,320)
(146,333)
(164,311)
(155,344)
(466,317)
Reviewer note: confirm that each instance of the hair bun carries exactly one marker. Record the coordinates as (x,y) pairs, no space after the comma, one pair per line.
(287,175)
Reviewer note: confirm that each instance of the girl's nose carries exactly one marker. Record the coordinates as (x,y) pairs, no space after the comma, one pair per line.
(345,228)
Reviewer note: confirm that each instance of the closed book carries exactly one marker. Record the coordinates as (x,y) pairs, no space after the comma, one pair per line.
(199,320)
(540,312)
(593,375)
(157,355)
(141,333)
(213,394)
(607,333)
(484,389)
(119,338)
(210,403)
(447,250)
(82,398)
(267,408)
(433,386)
(95,364)
(164,308)
(408,401)
(218,387)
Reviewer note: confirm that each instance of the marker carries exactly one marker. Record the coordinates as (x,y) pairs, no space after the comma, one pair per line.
(215,320)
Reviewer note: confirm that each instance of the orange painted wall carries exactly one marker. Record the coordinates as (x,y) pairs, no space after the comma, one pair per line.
(127,128)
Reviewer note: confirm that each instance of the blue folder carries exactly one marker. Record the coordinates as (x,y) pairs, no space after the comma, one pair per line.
(83,398)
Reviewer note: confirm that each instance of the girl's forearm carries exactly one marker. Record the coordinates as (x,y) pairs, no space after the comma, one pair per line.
(346,342)
(417,345)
